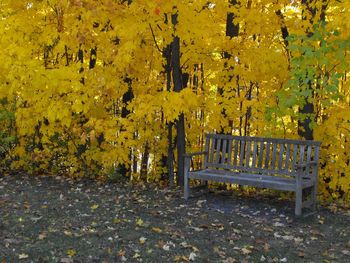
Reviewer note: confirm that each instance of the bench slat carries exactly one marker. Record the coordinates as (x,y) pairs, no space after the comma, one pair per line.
(224,152)
(308,160)
(245,180)
(301,154)
(229,152)
(274,152)
(235,154)
(212,148)
(218,146)
(267,156)
(261,154)
(286,167)
(242,151)
(252,174)
(280,158)
(247,157)
(255,148)
(295,152)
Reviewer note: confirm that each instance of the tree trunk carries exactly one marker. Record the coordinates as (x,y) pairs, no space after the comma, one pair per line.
(232,30)
(144,163)
(178,86)
(180,124)
(127,97)
(307,110)
(170,156)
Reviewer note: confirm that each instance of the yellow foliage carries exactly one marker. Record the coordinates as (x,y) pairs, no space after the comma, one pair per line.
(68,66)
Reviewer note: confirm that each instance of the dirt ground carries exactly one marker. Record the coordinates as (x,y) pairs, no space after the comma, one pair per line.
(51,219)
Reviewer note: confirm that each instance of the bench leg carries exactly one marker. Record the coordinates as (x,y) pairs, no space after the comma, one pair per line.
(186,179)
(298,201)
(186,188)
(314,197)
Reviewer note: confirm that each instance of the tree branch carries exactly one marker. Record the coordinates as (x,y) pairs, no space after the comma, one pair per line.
(154,39)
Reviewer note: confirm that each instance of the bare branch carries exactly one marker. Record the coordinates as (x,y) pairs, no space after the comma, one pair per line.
(154,39)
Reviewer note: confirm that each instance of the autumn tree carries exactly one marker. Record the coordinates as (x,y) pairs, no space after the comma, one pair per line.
(98,88)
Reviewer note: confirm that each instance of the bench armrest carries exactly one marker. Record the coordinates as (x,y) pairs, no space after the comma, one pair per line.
(190,155)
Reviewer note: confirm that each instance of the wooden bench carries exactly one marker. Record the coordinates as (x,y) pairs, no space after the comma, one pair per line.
(281,164)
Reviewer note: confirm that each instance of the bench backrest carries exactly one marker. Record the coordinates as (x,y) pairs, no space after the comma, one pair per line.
(260,155)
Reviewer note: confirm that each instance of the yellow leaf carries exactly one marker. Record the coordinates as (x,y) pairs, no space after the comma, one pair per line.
(157,229)
(116,220)
(142,240)
(94,207)
(139,222)
(71,252)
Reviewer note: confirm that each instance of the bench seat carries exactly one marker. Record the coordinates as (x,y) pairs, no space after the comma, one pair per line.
(255,180)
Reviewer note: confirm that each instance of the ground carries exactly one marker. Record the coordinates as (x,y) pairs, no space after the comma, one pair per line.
(52,219)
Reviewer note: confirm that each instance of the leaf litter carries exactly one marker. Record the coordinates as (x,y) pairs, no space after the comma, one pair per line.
(54,219)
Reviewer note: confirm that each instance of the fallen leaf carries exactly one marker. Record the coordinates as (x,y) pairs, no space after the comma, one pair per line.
(142,240)
(267,247)
(166,247)
(139,222)
(157,229)
(181,259)
(229,260)
(316,232)
(71,252)
(197,229)
(67,233)
(267,229)
(276,235)
(246,251)
(66,260)
(23,256)
(260,241)
(288,238)
(94,207)
(117,220)
(200,203)
(192,256)
(42,236)
(298,240)
(301,254)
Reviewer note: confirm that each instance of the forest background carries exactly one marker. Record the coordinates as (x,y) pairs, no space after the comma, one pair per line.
(108,87)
